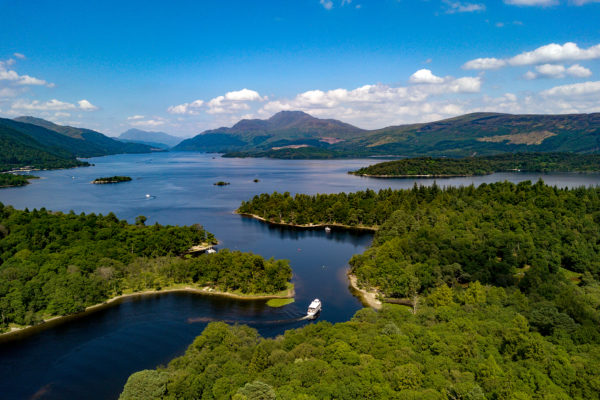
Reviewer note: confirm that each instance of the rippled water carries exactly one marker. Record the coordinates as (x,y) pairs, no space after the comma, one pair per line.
(92,356)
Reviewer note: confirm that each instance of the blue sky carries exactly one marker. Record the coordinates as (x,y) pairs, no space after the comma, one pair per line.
(182,67)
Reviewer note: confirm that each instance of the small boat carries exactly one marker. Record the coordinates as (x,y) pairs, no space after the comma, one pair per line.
(211,251)
(314,308)
(147,196)
(327,229)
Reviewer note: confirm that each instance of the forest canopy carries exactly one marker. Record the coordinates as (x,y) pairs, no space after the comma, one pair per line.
(468,166)
(55,264)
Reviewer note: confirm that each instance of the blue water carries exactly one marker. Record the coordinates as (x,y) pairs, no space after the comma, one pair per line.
(91,357)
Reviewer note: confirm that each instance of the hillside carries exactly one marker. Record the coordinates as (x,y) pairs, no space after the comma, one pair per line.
(469,166)
(295,134)
(20,150)
(284,129)
(154,139)
(78,142)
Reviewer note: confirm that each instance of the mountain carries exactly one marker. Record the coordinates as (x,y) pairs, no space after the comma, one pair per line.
(285,129)
(486,133)
(298,135)
(155,139)
(79,142)
(20,150)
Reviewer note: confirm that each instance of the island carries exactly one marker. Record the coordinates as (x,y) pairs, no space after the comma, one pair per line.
(13,180)
(111,179)
(428,167)
(221,183)
(484,292)
(55,264)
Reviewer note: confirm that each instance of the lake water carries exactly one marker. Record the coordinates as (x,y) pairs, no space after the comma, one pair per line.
(92,356)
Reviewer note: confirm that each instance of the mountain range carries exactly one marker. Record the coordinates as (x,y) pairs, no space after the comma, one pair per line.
(289,134)
(34,142)
(155,139)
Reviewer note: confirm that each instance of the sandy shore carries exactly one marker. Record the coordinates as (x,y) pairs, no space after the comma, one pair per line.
(308,226)
(206,291)
(368,297)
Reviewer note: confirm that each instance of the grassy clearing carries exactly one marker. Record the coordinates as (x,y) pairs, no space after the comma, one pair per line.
(279,302)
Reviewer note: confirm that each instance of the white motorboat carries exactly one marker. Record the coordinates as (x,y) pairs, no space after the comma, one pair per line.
(314,308)
(327,229)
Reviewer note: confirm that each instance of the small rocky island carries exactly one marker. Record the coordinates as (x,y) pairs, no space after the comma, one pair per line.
(221,183)
(111,179)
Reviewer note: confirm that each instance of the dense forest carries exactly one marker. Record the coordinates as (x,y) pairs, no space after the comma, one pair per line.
(8,180)
(475,343)
(56,264)
(503,280)
(524,162)
(112,179)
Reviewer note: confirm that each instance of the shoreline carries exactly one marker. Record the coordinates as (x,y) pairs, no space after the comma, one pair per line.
(416,176)
(47,323)
(308,226)
(367,297)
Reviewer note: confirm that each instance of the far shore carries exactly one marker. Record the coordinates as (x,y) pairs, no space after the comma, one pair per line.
(309,226)
(406,176)
(206,291)
(368,297)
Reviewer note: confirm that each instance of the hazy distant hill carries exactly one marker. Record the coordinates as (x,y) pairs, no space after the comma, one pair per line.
(298,135)
(156,139)
(20,150)
(286,128)
(79,142)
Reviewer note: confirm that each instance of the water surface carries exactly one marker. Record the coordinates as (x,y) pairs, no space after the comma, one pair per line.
(91,357)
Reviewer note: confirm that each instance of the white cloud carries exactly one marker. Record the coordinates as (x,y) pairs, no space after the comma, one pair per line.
(458,7)
(12,76)
(86,105)
(61,114)
(579,71)
(35,105)
(550,53)
(577,89)
(425,76)
(543,3)
(558,71)
(192,108)
(19,55)
(484,63)
(134,117)
(555,53)
(327,4)
(149,123)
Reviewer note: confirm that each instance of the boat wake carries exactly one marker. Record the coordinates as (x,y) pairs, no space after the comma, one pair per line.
(248,322)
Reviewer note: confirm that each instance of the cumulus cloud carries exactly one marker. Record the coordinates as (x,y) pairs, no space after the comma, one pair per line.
(228,103)
(375,105)
(558,71)
(134,117)
(36,105)
(86,105)
(7,74)
(577,89)
(52,105)
(484,63)
(425,76)
(458,7)
(149,123)
(550,53)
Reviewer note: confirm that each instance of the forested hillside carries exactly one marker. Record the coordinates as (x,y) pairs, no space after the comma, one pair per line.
(445,167)
(462,344)
(55,264)
(20,150)
(504,284)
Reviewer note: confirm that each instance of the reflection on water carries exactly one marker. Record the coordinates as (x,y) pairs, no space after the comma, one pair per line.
(92,356)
